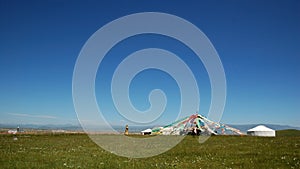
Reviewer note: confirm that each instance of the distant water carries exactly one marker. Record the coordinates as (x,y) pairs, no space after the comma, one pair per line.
(133,129)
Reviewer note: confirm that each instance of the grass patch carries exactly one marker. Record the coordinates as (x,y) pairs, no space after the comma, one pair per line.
(78,151)
(290,132)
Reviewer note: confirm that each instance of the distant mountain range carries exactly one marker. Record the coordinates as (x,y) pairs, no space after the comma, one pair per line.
(242,127)
(42,127)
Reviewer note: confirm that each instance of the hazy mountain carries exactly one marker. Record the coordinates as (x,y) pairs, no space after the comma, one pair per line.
(242,127)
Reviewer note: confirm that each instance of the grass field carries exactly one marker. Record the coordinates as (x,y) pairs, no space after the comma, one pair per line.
(78,151)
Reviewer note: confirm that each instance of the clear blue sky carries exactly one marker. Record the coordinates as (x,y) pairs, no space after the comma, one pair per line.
(258,43)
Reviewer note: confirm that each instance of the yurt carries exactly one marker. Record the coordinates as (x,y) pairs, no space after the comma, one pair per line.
(261,130)
(146,132)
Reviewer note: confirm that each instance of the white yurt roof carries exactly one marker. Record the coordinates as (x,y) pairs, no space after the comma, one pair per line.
(147,131)
(261,128)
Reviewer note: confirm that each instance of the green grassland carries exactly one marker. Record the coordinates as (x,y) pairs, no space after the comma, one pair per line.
(78,151)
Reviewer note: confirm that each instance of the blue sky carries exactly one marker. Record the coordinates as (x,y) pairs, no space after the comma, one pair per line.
(257,42)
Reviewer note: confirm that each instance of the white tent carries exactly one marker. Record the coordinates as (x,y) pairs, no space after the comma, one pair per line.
(147,131)
(261,130)
(12,131)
